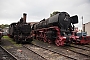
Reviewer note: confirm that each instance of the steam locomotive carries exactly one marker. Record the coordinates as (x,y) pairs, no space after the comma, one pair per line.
(20,31)
(56,29)
(59,29)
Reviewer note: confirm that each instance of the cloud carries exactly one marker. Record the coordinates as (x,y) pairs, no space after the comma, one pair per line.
(12,10)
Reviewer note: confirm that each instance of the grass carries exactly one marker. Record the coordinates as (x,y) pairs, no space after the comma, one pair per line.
(11,40)
(8,47)
(6,37)
(18,45)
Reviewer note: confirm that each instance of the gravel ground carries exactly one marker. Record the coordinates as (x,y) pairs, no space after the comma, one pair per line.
(24,54)
(63,51)
(82,47)
(20,52)
(49,55)
(4,55)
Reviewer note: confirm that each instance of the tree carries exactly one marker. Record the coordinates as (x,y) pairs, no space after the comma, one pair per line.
(54,13)
(3,26)
(6,25)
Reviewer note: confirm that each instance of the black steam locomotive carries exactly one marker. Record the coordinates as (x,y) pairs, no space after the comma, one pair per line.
(56,29)
(20,31)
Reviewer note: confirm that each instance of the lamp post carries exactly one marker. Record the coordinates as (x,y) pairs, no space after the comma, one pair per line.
(82,22)
(82,26)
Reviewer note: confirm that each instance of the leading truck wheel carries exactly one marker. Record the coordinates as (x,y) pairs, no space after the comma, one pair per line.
(45,39)
(59,42)
(49,41)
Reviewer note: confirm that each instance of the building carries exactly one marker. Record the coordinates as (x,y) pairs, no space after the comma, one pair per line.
(86,28)
(31,23)
(5,31)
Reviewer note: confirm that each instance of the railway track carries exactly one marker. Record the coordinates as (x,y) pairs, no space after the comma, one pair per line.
(81,47)
(5,55)
(34,52)
(66,51)
(87,46)
(83,50)
(78,51)
(47,54)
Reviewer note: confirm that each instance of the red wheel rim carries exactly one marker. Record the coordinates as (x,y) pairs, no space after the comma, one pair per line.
(57,42)
(45,39)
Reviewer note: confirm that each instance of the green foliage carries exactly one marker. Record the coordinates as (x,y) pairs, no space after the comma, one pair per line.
(4,25)
(54,13)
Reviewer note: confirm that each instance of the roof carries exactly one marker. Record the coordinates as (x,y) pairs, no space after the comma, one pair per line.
(32,23)
(87,23)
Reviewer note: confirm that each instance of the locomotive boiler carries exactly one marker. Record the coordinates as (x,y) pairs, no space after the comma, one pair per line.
(55,29)
(20,31)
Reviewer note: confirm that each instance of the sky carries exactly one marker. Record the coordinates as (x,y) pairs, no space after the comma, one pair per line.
(12,10)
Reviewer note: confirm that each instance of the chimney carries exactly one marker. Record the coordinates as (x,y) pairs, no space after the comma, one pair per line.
(24,17)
